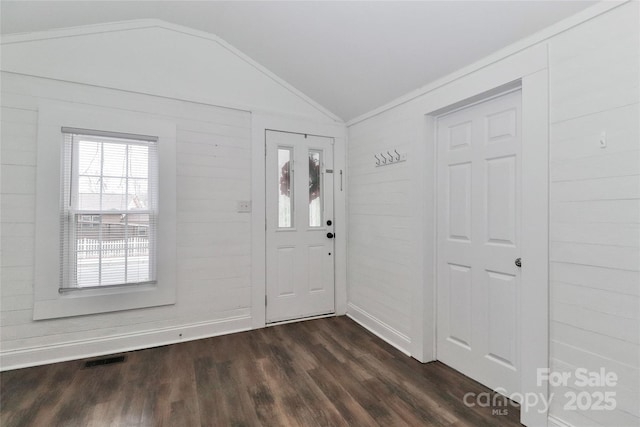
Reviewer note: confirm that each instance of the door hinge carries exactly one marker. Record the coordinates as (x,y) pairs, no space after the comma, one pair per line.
(265,300)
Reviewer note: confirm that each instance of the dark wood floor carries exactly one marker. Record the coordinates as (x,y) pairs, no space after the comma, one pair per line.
(328,372)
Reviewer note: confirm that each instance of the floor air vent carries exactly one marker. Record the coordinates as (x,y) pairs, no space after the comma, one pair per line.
(104,361)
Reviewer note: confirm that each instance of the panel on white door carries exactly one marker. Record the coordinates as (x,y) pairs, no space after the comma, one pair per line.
(460,201)
(501,125)
(501,200)
(460,136)
(502,318)
(460,305)
(478,222)
(316,272)
(299,204)
(285,272)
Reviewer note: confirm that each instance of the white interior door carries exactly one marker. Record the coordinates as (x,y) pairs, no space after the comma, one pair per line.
(300,241)
(479,178)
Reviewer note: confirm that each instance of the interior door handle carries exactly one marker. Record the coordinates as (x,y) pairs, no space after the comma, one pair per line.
(518,262)
(331,235)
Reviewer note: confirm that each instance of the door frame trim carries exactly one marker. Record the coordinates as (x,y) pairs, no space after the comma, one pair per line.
(296,225)
(260,123)
(529,70)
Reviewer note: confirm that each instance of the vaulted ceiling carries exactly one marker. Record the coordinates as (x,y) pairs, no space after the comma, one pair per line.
(351,57)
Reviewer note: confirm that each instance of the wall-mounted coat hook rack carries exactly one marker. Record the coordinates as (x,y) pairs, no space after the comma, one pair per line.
(389,158)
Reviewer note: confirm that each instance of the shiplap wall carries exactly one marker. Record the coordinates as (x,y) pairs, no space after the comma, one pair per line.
(213,243)
(185,77)
(178,63)
(594,78)
(382,248)
(594,212)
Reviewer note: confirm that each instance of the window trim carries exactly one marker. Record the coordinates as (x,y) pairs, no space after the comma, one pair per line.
(70,210)
(49,303)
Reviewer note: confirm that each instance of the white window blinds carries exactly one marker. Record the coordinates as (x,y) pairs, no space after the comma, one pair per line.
(109,209)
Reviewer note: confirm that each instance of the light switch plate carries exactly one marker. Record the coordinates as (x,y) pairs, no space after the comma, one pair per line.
(244,206)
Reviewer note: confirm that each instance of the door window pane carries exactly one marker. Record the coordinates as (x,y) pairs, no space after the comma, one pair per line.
(285,190)
(315,189)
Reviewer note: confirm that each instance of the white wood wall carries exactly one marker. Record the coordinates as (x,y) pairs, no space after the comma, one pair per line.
(213,244)
(185,77)
(594,211)
(157,58)
(383,245)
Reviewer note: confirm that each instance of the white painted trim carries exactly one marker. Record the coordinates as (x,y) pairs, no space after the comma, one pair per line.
(260,123)
(531,68)
(79,30)
(423,301)
(81,349)
(557,422)
(157,23)
(534,307)
(501,75)
(541,36)
(48,302)
(380,329)
(228,106)
(534,279)
(301,319)
(259,128)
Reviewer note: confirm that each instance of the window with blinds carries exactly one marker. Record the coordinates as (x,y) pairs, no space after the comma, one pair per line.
(109,209)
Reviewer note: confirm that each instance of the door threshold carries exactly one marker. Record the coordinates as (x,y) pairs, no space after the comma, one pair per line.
(300,319)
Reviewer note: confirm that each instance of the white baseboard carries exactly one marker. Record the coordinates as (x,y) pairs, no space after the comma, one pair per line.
(557,422)
(379,328)
(42,355)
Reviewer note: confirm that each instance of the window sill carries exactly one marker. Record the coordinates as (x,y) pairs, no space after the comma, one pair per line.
(92,301)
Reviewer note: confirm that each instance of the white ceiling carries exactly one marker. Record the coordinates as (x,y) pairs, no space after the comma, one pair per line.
(351,57)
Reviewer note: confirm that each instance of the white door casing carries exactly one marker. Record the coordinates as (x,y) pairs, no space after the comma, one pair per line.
(479,239)
(299,211)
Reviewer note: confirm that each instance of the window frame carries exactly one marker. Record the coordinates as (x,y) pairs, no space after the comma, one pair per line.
(49,303)
(71,210)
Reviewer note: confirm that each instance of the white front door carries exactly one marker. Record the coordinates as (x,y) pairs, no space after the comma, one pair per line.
(300,248)
(479,170)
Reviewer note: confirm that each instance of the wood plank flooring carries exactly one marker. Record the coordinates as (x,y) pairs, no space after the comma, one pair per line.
(327,372)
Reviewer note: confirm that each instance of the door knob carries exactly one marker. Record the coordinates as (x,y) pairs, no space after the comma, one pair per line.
(331,235)
(518,262)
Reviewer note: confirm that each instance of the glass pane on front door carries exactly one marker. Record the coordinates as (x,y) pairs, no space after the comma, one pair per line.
(285,190)
(315,188)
